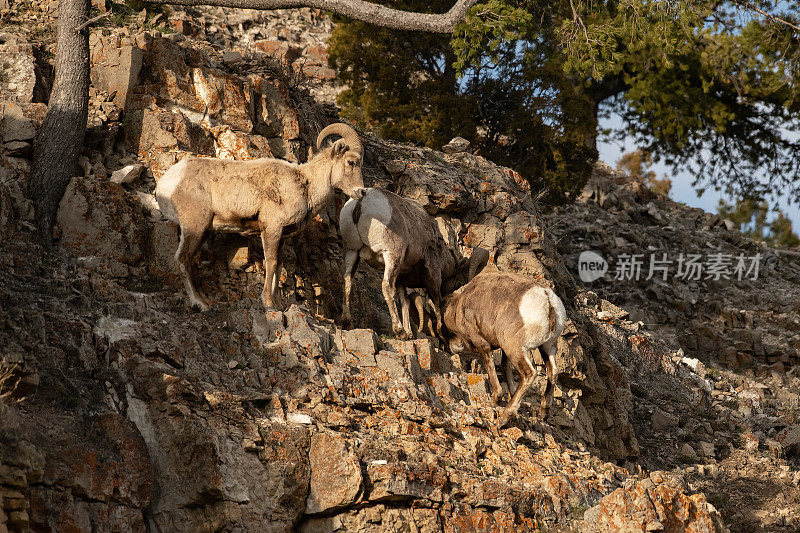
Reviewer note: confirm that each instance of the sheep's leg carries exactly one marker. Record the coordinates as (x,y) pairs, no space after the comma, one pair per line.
(389,289)
(435,297)
(270,240)
(488,364)
(419,304)
(548,351)
(350,266)
(405,305)
(510,381)
(276,276)
(527,374)
(428,316)
(189,245)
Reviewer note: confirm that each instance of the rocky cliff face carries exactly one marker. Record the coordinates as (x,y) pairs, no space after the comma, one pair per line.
(125,410)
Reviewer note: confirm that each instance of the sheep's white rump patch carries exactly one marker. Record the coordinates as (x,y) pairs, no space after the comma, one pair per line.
(534,307)
(348,229)
(165,188)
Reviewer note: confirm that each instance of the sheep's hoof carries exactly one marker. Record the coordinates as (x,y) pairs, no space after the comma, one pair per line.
(505,418)
(202,306)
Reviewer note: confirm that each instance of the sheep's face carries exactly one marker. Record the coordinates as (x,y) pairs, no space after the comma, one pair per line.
(346,174)
(448,320)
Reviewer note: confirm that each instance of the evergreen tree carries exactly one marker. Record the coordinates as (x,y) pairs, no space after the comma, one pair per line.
(638,164)
(698,84)
(751,217)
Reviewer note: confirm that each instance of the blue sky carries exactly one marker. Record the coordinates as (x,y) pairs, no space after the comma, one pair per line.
(682,190)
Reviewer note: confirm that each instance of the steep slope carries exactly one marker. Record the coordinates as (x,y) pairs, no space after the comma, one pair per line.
(743,450)
(138,413)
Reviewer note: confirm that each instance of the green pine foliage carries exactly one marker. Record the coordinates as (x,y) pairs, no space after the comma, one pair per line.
(700,84)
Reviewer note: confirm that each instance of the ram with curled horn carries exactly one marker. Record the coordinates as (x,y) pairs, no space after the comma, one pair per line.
(268,196)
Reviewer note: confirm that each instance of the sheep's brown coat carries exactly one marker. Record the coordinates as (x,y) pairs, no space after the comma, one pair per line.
(268,196)
(501,310)
(396,233)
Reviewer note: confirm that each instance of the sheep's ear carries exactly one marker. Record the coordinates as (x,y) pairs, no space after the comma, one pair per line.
(340,147)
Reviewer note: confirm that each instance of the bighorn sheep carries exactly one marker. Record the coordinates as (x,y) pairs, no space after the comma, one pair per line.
(268,196)
(508,311)
(388,230)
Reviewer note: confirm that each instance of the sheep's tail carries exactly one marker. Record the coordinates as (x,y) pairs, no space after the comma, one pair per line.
(555,308)
(551,314)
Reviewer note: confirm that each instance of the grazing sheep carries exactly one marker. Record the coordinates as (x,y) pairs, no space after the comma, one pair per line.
(268,196)
(396,233)
(508,311)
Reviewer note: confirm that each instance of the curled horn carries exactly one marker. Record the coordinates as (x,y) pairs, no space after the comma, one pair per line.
(478,260)
(346,132)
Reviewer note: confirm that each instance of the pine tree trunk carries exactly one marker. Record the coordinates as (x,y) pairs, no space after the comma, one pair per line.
(60,138)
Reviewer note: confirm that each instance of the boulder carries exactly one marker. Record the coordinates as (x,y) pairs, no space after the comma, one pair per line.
(14,125)
(456,145)
(335,474)
(115,70)
(127,174)
(657,503)
(280,50)
(99,218)
(789,440)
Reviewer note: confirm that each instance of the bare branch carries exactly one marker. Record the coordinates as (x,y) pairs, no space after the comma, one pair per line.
(92,21)
(747,5)
(355,9)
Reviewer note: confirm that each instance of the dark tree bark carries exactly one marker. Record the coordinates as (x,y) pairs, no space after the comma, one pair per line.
(60,138)
(355,9)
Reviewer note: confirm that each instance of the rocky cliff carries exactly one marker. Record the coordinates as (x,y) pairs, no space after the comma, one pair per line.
(125,410)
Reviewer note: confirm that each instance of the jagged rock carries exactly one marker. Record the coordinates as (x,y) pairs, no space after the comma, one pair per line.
(19,76)
(281,50)
(663,421)
(361,342)
(657,503)
(157,137)
(688,452)
(98,218)
(231,56)
(127,174)
(335,474)
(456,145)
(8,215)
(789,440)
(115,70)
(319,72)
(14,125)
